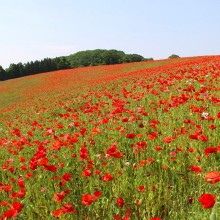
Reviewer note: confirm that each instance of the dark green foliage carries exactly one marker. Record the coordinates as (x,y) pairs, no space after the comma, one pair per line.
(133,58)
(14,70)
(174,56)
(61,63)
(2,73)
(113,57)
(101,57)
(30,68)
(82,58)
(95,57)
(148,59)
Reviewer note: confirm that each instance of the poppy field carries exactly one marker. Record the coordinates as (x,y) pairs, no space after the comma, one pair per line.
(128,141)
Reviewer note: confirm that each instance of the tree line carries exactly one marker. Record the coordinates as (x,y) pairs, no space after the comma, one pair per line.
(79,59)
(30,68)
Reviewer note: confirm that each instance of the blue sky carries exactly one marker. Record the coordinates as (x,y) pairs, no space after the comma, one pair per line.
(36,29)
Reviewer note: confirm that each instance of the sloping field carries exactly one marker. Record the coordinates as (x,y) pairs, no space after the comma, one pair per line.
(20,91)
(129,141)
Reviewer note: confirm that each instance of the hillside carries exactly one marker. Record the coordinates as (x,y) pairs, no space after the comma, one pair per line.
(16,91)
(127,141)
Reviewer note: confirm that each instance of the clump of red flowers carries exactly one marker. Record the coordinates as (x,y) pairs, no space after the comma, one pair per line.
(16,207)
(207,200)
(88,199)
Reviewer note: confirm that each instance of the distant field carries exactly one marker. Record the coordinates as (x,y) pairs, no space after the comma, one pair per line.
(19,91)
(129,141)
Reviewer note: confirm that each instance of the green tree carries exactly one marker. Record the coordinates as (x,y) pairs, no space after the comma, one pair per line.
(13,71)
(174,56)
(100,57)
(113,57)
(61,63)
(2,73)
(133,58)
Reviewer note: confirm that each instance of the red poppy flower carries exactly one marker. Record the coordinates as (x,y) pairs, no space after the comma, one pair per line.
(87,199)
(30,133)
(59,196)
(43,161)
(66,177)
(4,203)
(132,135)
(141,189)
(95,131)
(83,131)
(187,121)
(17,206)
(68,208)
(6,188)
(212,127)
(21,183)
(120,202)
(10,213)
(83,153)
(97,172)
(193,136)
(97,194)
(152,136)
(207,200)
(58,213)
(86,173)
(107,177)
(210,150)
(158,148)
(125,119)
(168,139)
(212,177)
(51,168)
(117,217)
(112,151)
(203,138)
(195,169)
(141,144)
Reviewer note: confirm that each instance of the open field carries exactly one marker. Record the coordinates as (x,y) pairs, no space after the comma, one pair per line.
(129,141)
